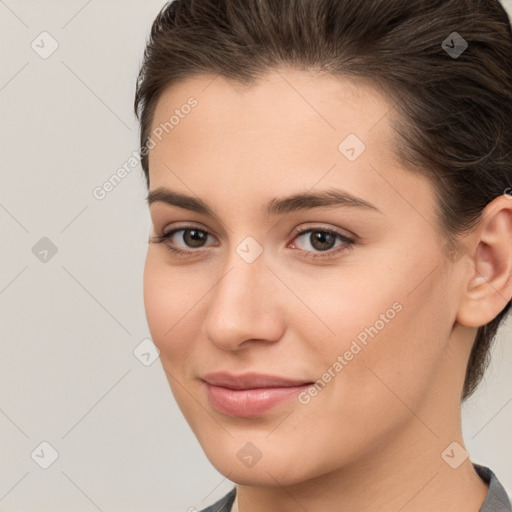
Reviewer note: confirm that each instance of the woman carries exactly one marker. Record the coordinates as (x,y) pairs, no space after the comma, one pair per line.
(331,251)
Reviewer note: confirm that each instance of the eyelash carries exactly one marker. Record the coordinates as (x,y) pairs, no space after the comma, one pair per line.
(329,254)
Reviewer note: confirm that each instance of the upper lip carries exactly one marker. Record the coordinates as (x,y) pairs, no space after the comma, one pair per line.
(251,380)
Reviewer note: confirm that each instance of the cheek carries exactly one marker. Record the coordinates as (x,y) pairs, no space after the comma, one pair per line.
(383,325)
(342,305)
(155,291)
(166,309)
(164,302)
(399,346)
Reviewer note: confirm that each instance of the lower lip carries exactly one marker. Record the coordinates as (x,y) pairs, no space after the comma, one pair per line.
(249,403)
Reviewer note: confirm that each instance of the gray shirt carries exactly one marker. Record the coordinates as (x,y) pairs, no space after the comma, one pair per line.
(496,500)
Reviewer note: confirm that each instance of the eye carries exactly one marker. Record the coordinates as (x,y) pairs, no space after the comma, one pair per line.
(192,237)
(320,242)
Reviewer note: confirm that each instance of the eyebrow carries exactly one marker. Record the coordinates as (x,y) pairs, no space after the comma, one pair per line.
(276,206)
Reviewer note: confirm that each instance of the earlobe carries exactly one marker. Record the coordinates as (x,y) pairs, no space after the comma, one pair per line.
(489,277)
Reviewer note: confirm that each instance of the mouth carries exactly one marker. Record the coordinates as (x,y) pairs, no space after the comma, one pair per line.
(250,395)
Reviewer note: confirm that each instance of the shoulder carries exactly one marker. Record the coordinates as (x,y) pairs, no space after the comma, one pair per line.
(497,499)
(224,504)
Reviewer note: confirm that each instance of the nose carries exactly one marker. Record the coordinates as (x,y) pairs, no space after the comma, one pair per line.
(244,306)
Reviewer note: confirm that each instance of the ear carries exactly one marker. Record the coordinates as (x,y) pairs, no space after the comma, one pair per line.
(488,281)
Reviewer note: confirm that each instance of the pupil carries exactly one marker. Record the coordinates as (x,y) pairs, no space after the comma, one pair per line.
(323,238)
(195,236)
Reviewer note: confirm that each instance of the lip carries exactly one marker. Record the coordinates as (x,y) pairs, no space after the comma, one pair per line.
(250,394)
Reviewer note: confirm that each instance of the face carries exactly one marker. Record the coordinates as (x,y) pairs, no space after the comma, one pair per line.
(321,316)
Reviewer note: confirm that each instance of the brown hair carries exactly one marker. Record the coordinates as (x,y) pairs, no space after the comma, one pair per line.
(454,103)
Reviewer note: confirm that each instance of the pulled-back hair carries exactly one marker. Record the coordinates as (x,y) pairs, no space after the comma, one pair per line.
(453,104)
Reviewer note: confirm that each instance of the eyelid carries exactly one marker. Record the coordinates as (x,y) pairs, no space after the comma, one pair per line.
(167,234)
(188,225)
(347,243)
(348,240)
(314,226)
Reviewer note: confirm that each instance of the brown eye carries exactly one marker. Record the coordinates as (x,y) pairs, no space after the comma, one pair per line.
(194,237)
(322,240)
(318,241)
(187,243)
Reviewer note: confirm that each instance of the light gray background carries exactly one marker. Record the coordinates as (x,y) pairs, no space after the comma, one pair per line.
(69,326)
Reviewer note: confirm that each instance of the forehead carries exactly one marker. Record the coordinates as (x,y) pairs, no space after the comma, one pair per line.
(288,130)
(286,113)
(278,98)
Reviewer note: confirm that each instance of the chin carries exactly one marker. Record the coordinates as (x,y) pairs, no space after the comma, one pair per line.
(270,467)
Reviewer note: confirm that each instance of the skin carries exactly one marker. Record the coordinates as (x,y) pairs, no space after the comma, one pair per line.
(373,438)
